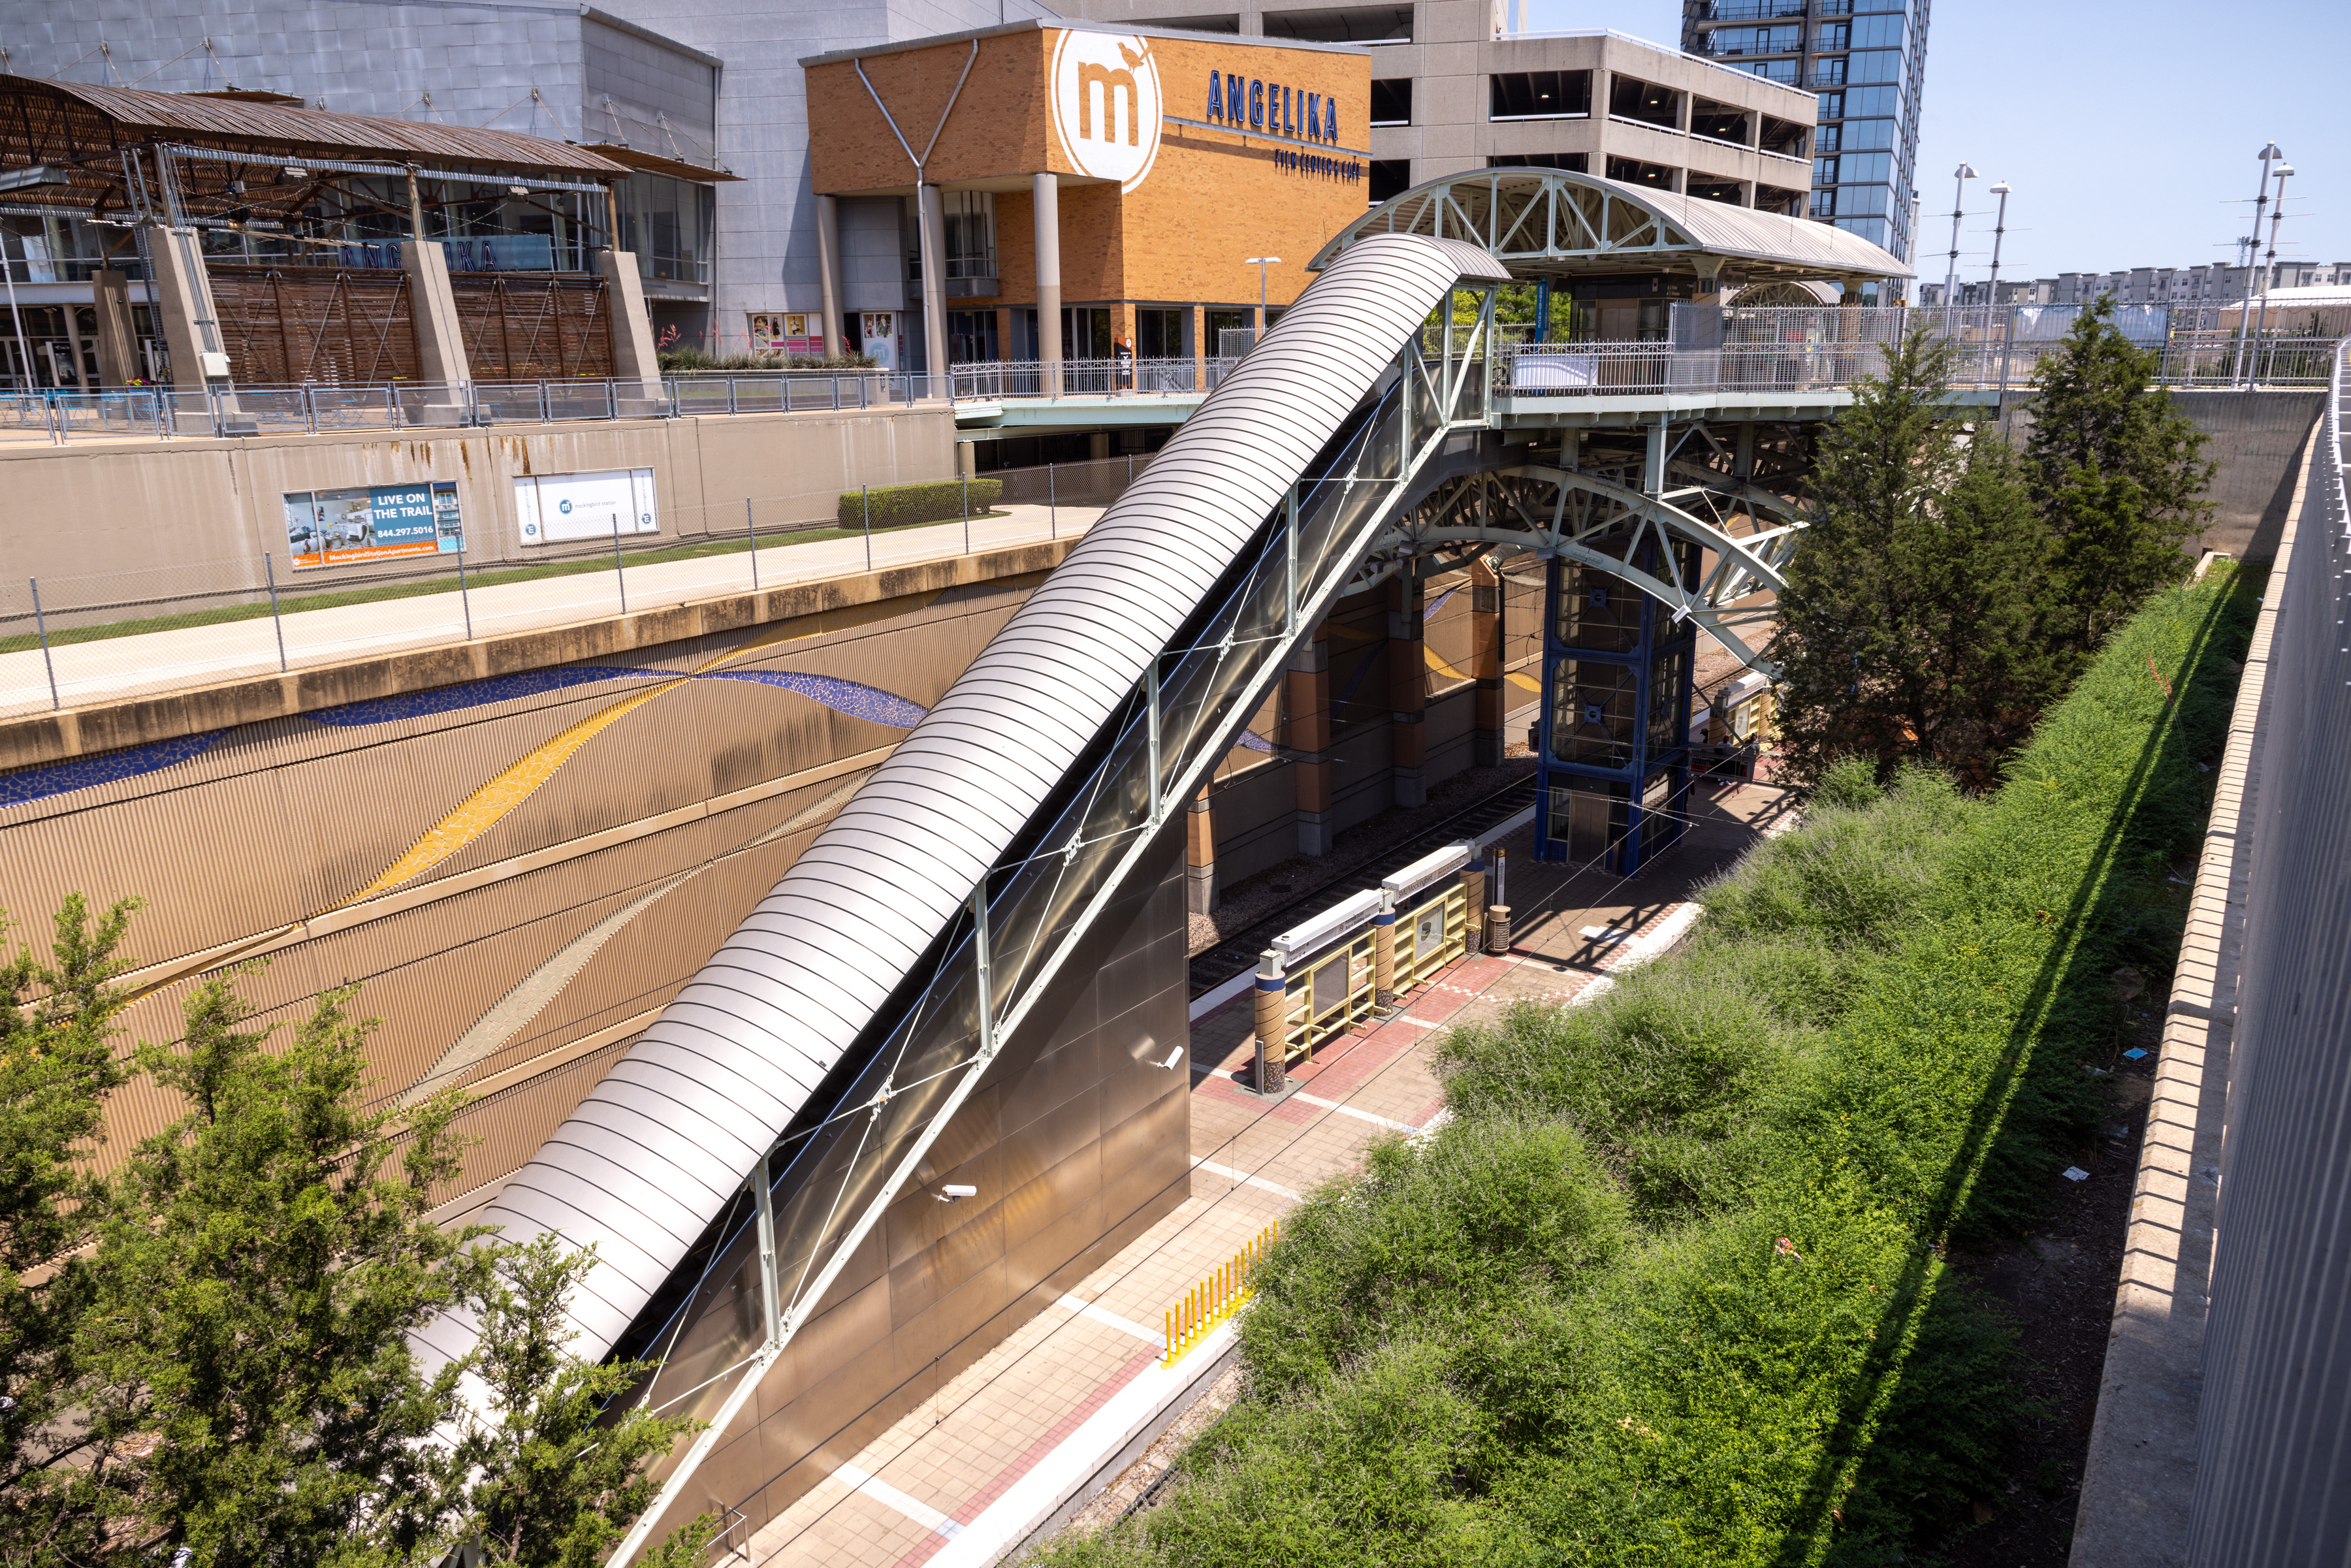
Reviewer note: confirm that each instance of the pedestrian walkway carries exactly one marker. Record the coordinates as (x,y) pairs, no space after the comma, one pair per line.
(80,675)
(997,1450)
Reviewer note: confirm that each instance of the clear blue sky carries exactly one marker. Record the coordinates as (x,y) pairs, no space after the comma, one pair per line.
(2128,131)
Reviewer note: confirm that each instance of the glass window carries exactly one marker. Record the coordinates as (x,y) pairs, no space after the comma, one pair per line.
(1728,42)
(1632,99)
(1357,25)
(1392,102)
(1876,32)
(1783,72)
(1867,100)
(1159,334)
(1537,95)
(971,232)
(1871,229)
(1866,134)
(1861,169)
(1596,719)
(1877,65)
(971,336)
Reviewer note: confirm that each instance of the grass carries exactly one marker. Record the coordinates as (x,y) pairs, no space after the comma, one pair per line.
(1670,1289)
(493,577)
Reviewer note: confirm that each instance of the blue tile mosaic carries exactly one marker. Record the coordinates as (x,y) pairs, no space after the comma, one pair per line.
(475,693)
(856,700)
(40,783)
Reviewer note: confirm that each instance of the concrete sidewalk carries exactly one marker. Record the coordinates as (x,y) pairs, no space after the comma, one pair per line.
(997,1450)
(118,667)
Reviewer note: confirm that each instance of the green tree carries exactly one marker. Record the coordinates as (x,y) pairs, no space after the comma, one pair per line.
(541,1479)
(1909,628)
(2118,473)
(263,1259)
(58,1064)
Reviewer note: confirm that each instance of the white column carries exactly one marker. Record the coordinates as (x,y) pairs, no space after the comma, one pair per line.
(930,223)
(828,270)
(1046,192)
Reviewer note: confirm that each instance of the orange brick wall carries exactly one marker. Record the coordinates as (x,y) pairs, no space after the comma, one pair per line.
(1182,237)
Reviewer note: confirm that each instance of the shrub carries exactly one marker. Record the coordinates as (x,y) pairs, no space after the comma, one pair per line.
(1449,1235)
(1670,1075)
(674,361)
(895,505)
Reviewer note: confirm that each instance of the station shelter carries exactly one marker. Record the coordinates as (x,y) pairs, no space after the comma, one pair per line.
(1051,192)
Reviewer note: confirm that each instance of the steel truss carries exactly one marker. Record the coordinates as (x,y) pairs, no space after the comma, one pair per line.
(1581,515)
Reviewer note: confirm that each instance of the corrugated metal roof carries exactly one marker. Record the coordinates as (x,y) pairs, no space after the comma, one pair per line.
(140,115)
(657,1150)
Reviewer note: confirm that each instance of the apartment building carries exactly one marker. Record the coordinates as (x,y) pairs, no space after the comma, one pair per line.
(1867,61)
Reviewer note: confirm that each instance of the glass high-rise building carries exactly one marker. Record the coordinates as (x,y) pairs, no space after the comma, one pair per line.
(1867,60)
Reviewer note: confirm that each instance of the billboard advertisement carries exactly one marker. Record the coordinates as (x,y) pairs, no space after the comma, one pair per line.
(381,522)
(562,509)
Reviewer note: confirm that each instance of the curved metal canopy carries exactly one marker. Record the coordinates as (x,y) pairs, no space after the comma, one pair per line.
(1549,220)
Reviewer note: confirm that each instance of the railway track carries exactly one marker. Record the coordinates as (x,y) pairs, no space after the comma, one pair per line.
(1238,952)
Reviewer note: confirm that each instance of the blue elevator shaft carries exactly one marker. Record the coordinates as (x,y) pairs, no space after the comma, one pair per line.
(1613,754)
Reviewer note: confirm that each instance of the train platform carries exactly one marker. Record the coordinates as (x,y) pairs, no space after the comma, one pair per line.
(1068,1405)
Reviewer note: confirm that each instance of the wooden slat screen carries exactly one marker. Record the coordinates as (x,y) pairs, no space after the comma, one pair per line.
(285,325)
(534,326)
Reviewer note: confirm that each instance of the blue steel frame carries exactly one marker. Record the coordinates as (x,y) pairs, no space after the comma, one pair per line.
(1629,844)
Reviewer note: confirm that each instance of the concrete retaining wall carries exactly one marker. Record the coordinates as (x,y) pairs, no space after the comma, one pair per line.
(120,505)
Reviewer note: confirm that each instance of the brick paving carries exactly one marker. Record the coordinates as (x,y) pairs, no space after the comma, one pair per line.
(920,1493)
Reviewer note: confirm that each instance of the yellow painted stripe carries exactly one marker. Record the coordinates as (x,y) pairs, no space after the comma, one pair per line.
(1439,665)
(485,807)
(1523,681)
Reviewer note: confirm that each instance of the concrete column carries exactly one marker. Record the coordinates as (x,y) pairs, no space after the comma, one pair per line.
(1742,465)
(117,344)
(931,230)
(1408,688)
(1486,741)
(1273,1025)
(828,271)
(433,306)
(634,356)
(1098,446)
(1306,739)
(1045,192)
(183,309)
(1201,855)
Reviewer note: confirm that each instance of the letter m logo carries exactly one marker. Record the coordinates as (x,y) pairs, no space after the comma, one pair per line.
(1112,84)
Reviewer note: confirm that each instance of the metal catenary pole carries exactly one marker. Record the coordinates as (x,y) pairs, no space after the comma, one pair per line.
(619,576)
(865,497)
(269,566)
(42,622)
(751,534)
(464,599)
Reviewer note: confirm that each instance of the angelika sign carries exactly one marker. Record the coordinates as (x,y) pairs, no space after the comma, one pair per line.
(1277,108)
(1106,105)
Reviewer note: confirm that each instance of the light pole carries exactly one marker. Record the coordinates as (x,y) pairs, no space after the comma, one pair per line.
(1262,263)
(1958,200)
(1999,229)
(2269,265)
(2269,155)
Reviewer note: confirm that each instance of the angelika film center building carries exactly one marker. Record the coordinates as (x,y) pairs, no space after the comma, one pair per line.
(1080,190)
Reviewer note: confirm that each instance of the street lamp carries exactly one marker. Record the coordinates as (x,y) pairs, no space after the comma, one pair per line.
(2269,155)
(1959,199)
(1262,263)
(1999,228)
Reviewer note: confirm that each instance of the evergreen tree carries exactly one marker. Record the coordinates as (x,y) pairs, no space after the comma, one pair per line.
(540,1479)
(1909,628)
(264,1261)
(57,1066)
(2118,473)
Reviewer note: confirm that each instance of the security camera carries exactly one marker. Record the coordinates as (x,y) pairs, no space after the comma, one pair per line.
(954,1192)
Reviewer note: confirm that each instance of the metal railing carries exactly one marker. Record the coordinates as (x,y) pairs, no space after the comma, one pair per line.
(169,414)
(72,639)
(989,381)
